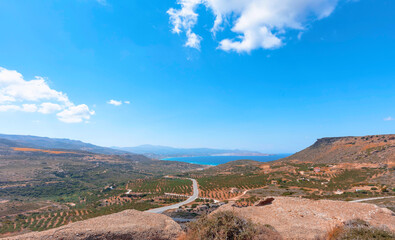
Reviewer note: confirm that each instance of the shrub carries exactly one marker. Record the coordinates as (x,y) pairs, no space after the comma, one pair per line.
(358,229)
(287,193)
(226,225)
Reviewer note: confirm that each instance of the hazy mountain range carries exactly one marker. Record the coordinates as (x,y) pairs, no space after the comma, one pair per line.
(154,151)
(55,143)
(151,151)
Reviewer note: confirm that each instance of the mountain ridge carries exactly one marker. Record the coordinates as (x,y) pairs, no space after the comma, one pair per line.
(158,151)
(56,143)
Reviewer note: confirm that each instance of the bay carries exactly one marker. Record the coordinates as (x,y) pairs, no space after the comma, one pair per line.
(217,160)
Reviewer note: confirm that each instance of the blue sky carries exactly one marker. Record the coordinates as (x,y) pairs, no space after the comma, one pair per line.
(329,71)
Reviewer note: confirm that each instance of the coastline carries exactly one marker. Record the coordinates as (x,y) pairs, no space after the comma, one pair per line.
(217,160)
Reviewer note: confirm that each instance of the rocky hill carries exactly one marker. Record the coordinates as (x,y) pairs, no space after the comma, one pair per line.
(298,218)
(129,224)
(367,149)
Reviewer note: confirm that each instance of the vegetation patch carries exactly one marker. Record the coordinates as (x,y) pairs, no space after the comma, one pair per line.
(163,185)
(358,229)
(227,225)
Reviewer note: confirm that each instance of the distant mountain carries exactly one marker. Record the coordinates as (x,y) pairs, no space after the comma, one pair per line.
(366,149)
(164,151)
(54,143)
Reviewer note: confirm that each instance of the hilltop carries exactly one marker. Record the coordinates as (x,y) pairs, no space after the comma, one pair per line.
(366,149)
(283,218)
(296,218)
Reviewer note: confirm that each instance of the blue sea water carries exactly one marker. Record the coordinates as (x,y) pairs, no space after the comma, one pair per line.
(216,160)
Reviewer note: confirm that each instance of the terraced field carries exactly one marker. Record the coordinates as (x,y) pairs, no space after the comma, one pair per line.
(48,220)
(224,187)
(295,178)
(98,203)
(161,186)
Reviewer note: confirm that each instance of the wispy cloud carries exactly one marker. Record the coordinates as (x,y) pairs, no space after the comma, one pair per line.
(389,119)
(256,23)
(102,2)
(18,94)
(117,103)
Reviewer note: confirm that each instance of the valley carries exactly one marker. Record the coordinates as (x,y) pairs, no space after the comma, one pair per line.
(41,188)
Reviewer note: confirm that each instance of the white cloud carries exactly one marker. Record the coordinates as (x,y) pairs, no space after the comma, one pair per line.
(115,102)
(29,107)
(75,114)
(300,34)
(18,94)
(23,108)
(256,23)
(47,108)
(5,108)
(127,102)
(389,119)
(13,88)
(193,40)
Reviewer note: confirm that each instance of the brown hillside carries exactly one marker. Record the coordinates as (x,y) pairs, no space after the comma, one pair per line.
(129,224)
(367,149)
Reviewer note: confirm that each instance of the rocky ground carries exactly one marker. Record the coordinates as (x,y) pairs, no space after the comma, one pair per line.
(291,217)
(297,218)
(129,224)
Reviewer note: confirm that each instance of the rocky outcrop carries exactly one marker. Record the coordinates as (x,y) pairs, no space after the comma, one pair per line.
(297,218)
(367,149)
(129,224)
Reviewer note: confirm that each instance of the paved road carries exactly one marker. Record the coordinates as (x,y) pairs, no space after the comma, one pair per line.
(177,205)
(370,199)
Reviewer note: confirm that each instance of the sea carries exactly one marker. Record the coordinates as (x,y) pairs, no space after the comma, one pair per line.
(217,160)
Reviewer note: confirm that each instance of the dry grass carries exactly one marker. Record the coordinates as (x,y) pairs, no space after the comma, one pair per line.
(225,225)
(334,232)
(358,229)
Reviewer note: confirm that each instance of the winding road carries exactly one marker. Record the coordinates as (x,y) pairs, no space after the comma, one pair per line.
(177,205)
(370,199)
